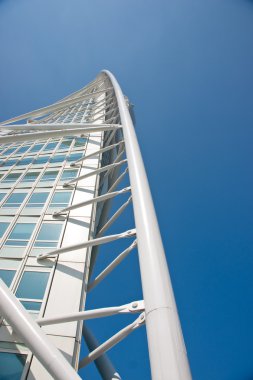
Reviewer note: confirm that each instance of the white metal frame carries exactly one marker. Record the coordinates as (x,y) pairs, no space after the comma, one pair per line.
(167,352)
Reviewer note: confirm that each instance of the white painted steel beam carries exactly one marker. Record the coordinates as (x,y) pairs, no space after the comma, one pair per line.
(118,337)
(60,126)
(50,134)
(95,153)
(133,307)
(52,108)
(33,337)
(89,243)
(94,172)
(167,352)
(111,266)
(100,198)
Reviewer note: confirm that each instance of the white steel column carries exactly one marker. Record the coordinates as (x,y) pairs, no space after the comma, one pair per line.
(167,352)
(34,338)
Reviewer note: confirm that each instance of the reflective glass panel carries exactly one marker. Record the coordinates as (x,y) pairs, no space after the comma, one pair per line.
(29,305)
(80,141)
(7,277)
(9,163)
(23,149)
(9,151)
(48,235)
(15,200)
(2,195)
(32,285)
(41,160)
(65,144)
(74,157)
(12,177)
(30,177)
(69,174)
(58,158)
(20,234)
(50,146)
(37,199)
(25,161)
(60,199)
(3,228)
(49,175)
(11,366)
(36,148)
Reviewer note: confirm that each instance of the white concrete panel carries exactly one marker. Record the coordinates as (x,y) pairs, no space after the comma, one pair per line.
(77,231)
(68,276)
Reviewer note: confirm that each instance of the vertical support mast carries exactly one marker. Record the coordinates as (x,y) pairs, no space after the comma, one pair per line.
(167,352)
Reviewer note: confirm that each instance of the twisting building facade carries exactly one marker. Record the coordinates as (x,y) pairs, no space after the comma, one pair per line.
(61,167)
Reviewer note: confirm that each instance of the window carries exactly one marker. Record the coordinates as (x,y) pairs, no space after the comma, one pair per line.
(69,174)
(49,175)
(25,161)
(36,148)
(30,176)
(23,149)
(10,150)
(58,158)
(48,235)
(37,200)
(2,195)
(11,365)
(74,156)
(12,177)
(7,276)
(20,234)
(9,162)
(41,160)
(3,228)
(15,200)
(51,145)
(31,289)
(65,144)
(80,141)
(60,199)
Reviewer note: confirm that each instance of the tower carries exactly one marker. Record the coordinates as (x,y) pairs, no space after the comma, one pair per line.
(61,168)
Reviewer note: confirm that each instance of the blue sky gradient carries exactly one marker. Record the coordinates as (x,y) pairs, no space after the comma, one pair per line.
(187,67)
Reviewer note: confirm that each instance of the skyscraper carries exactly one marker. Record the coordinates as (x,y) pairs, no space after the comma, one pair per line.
(61,167)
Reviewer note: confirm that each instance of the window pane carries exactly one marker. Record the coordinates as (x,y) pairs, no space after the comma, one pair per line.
(37,199)
(69,174)
(3,228)
(41,160)
(9,151)
(65,144)
(49,175)
(11,366)
(30,177)
(50,146)
(22,231)
(74,157)
(33,285)
(80,141)
(36,148)
(7,277)
(23,149)
(60,198)
(2,195)
(9,162)
(15,200)
(58,158)
(25,161)
(31,306)
(12,177)
(49,232)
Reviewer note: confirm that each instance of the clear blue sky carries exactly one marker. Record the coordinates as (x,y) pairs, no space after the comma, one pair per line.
(187,65)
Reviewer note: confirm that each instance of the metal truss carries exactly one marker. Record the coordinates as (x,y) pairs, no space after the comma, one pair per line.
(110,115)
